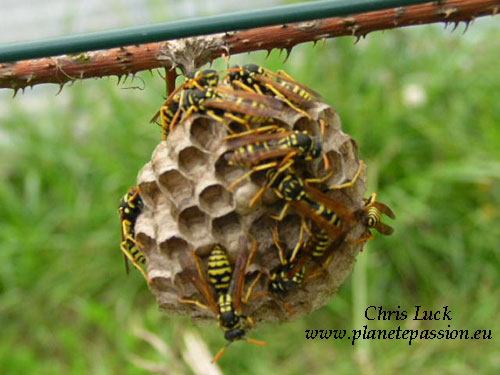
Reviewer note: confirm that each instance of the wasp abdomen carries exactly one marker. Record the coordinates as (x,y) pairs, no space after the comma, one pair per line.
(219,269)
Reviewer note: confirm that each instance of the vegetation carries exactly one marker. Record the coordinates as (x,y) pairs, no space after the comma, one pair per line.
(423,105)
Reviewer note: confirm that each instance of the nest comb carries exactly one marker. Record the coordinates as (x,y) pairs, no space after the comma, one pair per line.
(188,207)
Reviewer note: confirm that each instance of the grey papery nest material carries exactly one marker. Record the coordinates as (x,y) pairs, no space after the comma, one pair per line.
(188,207)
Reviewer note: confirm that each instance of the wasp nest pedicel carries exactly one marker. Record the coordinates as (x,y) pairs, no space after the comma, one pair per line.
(258,167)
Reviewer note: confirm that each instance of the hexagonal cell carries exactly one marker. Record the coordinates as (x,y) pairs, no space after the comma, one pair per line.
(174,244)
(177,185)
(311,127)
(215,199)
(161,281)
(192,160)
(193,223)
(207,133)
(224,171)
(227,227)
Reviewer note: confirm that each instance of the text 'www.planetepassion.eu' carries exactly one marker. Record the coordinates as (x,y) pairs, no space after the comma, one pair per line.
(409,335)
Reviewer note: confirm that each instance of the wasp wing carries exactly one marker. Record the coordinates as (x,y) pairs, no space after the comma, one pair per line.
(269,101)
(336,206)
(198,279)
(237,140)
(385,209)
(306,210)
(384,229)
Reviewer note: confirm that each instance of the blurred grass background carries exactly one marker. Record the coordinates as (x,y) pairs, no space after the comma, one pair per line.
(423,105)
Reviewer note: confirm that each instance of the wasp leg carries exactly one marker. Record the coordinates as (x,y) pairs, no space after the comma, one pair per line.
(219,119)
(238,119)
(320,180)
(277,243)
(242,86)
(299,244)
(128,254)
(362,239)
(193,302)
(254,131)
(346,185)
(290,104)
(249,173)
(362,166)
(286,75)
(282,214)
(326,161)
(250,294)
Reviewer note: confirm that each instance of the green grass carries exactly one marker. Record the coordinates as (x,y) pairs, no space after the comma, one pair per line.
(67,307)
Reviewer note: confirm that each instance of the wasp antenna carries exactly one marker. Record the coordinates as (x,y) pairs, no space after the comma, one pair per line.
(255,342)
(221,352)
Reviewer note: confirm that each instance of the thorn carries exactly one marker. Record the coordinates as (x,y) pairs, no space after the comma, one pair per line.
(323,41)
(119,79)
(151,71)
(61,86)
(288,51)
(15,93)
(358,38)
(269,52)
(467,23)
(125,79)
(314,43)
(455,25)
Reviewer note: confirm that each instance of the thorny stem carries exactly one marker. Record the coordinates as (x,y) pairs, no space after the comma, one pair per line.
(126,61)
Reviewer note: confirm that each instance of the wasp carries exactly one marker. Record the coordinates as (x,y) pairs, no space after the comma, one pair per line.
(288,275)
(329,214)
(226,105)
(292,271)
(253,147)
(130,207)
(371,215)
(223,291)
(170,112)
(254,78)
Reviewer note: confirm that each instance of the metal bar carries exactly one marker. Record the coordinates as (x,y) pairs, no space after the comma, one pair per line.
(193,27)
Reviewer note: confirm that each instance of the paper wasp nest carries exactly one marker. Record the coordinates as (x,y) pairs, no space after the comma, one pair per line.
(188,207)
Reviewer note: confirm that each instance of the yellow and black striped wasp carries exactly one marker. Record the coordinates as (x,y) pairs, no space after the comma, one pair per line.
(170,112)
(371,215)
(288,275)
(273,144)
(329,214)
(254,78)
(223,292)
(130,207)
(293,269)
(227,105)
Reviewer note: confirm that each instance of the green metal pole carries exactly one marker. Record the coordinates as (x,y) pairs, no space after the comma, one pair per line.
(194,27)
